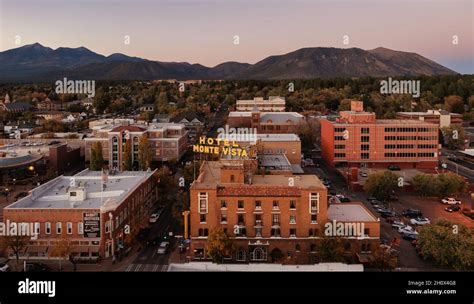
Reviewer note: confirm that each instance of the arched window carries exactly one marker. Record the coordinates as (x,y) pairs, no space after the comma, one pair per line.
(241,255)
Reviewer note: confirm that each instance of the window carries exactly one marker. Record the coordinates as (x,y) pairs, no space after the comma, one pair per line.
(313,203)
(80,228)
(223,204)
(37,228)
(292,219)
(366,231)
(258,232)
(276,205)
(313,232)
(314,218)
(297,247)
(107,226)
(258,204)
(275,219)
(339,147)
(202,218)
(365,147)
(203,232)
(312,248)
(258,219)
(223,218)
(364,155)
(275,232)
(241,255)
(58,228)
(240,204)
(364,130)
(293,232)
(72,193)
(364,138)
(292,204)
(339,155)
(240,219)
(232,178)
(69,227)
(202,202)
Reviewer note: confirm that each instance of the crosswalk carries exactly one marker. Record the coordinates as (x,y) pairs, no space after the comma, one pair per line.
(147,268)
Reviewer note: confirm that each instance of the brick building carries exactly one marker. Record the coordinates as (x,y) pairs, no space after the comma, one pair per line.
(89,211)
(272,104)
(269,218)
(61,157)
(357,138)
(440,117)
(167,141)
(266,122)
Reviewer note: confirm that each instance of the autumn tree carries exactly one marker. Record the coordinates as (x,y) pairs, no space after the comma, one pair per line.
(383,259)
(218,245)
(454,103)
(330,249)
(144,153)
(447,244)
(127,156)
(61,249)
(16,243)
(102,100)
(453,136)
(97,159)
(381,185)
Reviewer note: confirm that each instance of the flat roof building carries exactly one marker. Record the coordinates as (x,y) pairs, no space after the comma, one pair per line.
(440,117)
(91,210)
(358,139)
(272,104)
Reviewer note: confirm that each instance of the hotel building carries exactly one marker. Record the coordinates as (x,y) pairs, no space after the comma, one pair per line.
(358,139)
(272,104)
(269,218)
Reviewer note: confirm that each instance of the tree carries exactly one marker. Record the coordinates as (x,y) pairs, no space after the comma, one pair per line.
(450,184)
(454,103)
(144,153)
(381,185)
(218,245)
(97,159)
(127,156)
(425,184)
(330,249)
(383,259)
(454,136)
(448,245)
(101,100)
(61,249)
(15,243)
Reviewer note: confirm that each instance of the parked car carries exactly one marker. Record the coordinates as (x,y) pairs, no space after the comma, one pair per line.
(363,174)
(407,229)
(412,213)
(393,168)
(163,249)
(391,220)
(390,213)
(451,201)
(36,267)
(398,224)
(452,208)
(375,202)
(21,195)
(410,236)
(420,221)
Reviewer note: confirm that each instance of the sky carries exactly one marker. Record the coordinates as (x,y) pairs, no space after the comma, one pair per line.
(203,31)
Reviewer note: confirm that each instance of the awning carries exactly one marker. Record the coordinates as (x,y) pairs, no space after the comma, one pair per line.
(36,249)
(79,249)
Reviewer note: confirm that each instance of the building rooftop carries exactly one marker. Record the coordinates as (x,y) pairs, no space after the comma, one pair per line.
(276,117)
(469,152)
(12,159)
(207,266)
(350,212)
(385,122)
(210,177)
(56,194)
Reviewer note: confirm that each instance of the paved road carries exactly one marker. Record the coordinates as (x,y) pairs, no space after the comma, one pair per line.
(459,166)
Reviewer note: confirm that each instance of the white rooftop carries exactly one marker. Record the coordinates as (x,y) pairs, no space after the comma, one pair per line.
(350,212)
(55,194)
(207,266)
(469,152)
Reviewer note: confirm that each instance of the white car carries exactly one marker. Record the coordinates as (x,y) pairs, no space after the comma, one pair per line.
(154,218)
(420,221)
(363,174)
(451,201)
(398,224)
(163,249)
(407,229)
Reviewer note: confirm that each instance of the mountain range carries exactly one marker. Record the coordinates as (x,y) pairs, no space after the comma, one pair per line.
(36,63)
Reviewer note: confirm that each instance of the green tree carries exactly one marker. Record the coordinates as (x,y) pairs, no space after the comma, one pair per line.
(425,184)
(381,185)
(101,100)
(218,245)
(383,259)
(454,136)
(144,153)
(330,249)
(447,244)
(97,159)
(450,184)
(127,156)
